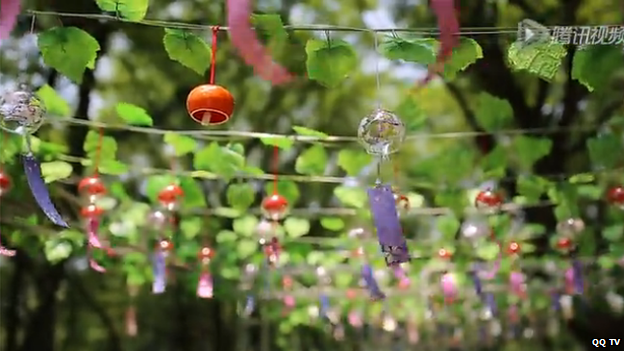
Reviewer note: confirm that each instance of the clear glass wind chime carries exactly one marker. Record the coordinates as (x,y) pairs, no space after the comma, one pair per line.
(382,133)
(22,113)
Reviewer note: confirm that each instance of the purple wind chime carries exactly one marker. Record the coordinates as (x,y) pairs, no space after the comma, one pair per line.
(568,232)
(23,113)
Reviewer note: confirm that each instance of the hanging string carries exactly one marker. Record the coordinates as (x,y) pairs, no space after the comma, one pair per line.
(377,72)
(213,55)
(275,168)
(98,152)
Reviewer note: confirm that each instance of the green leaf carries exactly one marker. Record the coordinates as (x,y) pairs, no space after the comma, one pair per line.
(193,193)
(421,51)
(601,151)
(226,236)
(329,62)
(57,250)
(613,233)
(493,114)
(532,187)
(353,161)
(286,188)
(155,184)
(55,170)
(188,49)
(240,196)
(112,167)
(448,225)
(106,149)
(181,144)
(351,196)
(246,226)
(488,251)
(271,27)
(69,50)
(296,227)
(494,164)
(134,115)
(465,54)
(412,114)
(246,248)
(284,143)
(593,66)
(303,131)
(530,150)
(332,223)
(191,227)
(219,160)
(312,161)
(583,178)
(541,58)
(55,104)
(133,10)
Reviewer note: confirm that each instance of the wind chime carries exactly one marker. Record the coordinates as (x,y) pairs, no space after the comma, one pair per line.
(166,221)
(92,189)
(568,232)
(23,113)
(205,288)
(210,104)
(381,133)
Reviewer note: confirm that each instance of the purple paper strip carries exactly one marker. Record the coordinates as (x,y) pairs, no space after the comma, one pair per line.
(160,273)
(371,283)
(387,225)
(577,268)
(32,169)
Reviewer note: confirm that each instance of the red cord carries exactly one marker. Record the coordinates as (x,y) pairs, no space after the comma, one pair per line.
(213,55)
(275,167)
(98,152)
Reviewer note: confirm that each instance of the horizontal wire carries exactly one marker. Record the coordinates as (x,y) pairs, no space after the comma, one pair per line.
(310,27)
(230,134)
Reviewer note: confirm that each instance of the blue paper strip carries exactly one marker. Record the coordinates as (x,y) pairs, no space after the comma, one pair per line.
(387,225)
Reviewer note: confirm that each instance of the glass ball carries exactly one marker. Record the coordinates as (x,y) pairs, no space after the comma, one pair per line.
(571,227)
(381,133)
(21,112)
(265,230)
(157,219)
(274,207)
(474,229)
(357,233)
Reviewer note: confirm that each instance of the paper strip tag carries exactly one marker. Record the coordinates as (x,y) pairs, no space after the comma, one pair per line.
(387,225)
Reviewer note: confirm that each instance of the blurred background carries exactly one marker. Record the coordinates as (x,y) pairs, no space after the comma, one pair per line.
(548,138)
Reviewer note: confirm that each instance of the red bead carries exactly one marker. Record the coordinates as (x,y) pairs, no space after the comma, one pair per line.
(91,211)
(165,245)
(564,243)
(444,253)
(287,282)
(91,186)
(615,195)
(275,207)
(5,182)
(351,294)
(206,253)
(488,199)
(513,248)
(170,194)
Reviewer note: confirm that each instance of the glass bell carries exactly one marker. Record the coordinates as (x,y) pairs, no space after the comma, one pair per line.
(381,133)
(21,112)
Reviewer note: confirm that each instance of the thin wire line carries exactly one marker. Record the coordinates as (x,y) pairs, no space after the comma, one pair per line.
(377,71)
(309,27)
(230,134)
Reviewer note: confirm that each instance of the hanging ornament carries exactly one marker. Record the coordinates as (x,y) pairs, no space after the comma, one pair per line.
(162,252)
(323,281)
(517,279)
(571,227)
(474,229)
(23,113)
(170,197)
(448,282)
(204,284)
(288,299)
(91,214)
(5,186)
(275,207)
(401,277)
(615,196)
(381,133)
(210,104)
(265,230)
(488,201)
(92,188)
(250,302)
(272,251)
(386,221)
(371,283)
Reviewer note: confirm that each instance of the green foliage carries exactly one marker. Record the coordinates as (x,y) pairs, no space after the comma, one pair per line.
(594,65)
(132,10)
(601,150)
(330,61)
(493,113)
(530,150)
(351,196)
(286,188)
(134,115)
(421,51)
(465,54)
(272,27)
(69,50)
(101,151)
(448,225)
(352,161)
(541,58)
(188,49)
(182,144)
(222,161)
(307,132)
(284,143)
(333,223)
(312,161)
(56,170)
(240,196)
(296,227)
(54,103)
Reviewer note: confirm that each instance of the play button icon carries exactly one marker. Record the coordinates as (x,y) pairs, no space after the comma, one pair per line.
(530,32)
